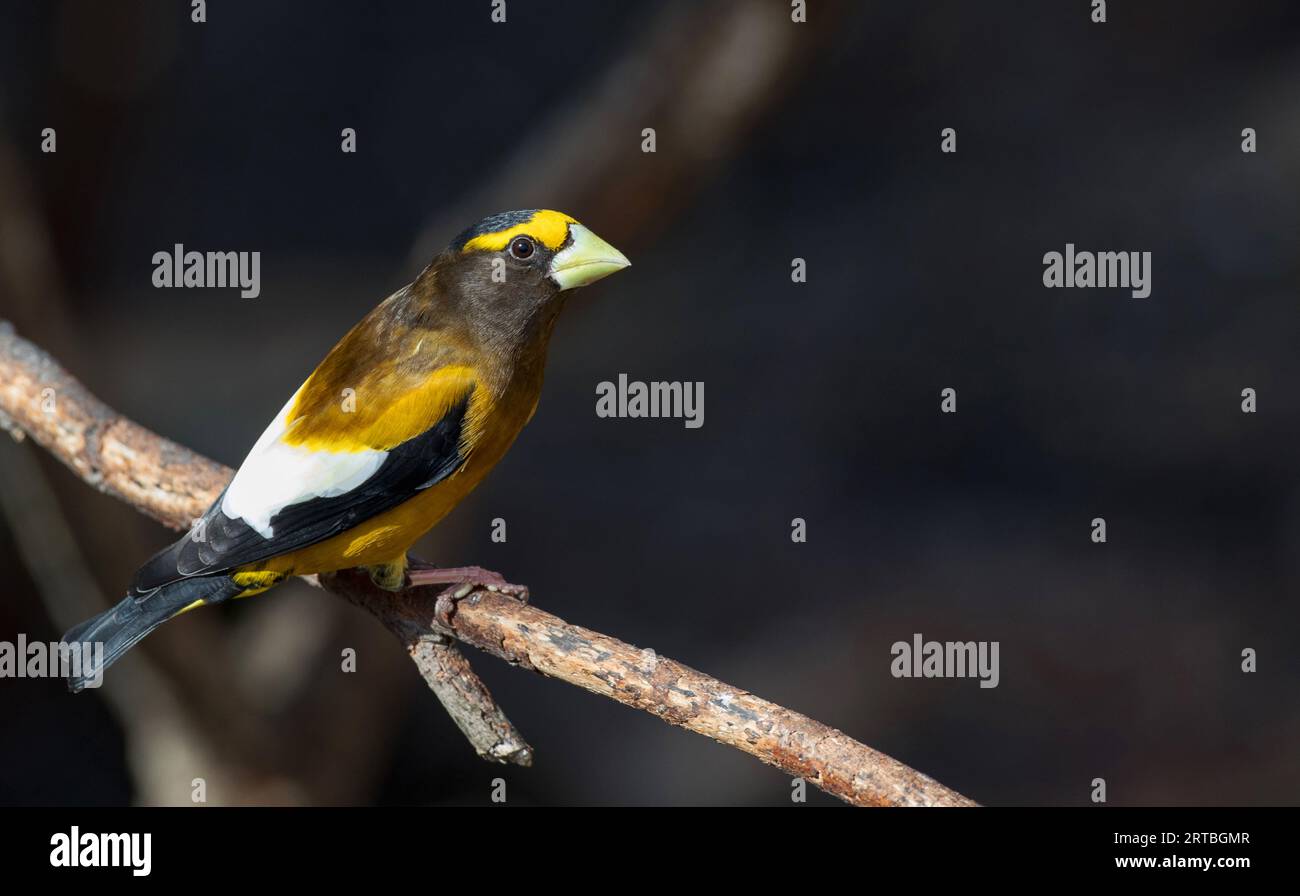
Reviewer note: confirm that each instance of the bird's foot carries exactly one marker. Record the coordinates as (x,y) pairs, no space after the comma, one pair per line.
(467,578)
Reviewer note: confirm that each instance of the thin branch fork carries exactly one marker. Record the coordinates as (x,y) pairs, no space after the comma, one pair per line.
(174,485)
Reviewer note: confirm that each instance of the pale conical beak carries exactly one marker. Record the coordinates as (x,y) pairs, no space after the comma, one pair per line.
(585,260)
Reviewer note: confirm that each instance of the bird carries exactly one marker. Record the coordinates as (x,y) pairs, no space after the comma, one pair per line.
(401,420)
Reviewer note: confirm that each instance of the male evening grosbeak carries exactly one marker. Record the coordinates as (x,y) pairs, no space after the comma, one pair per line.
(399,422)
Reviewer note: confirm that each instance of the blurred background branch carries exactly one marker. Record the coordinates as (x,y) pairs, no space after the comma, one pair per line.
(703,75)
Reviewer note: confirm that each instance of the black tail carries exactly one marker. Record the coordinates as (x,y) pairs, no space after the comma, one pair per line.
(122,627)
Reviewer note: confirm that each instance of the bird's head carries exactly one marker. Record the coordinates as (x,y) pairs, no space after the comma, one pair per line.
(538,247)
(509,271)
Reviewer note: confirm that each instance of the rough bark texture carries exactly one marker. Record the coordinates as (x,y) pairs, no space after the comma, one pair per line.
(160,478)
(533,639)
(174,485)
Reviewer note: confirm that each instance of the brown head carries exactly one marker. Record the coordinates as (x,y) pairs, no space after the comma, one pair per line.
(505,279)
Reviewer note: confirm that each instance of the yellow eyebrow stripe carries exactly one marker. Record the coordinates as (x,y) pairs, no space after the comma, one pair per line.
(549,228)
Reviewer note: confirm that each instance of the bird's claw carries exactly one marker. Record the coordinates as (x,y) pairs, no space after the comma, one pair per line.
(464,579)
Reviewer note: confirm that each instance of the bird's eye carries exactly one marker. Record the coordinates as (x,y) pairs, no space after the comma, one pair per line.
(522,247)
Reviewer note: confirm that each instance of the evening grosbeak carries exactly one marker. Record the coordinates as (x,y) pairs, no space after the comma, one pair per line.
(403,418)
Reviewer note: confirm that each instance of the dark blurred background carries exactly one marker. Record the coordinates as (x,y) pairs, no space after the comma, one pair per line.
(775,140)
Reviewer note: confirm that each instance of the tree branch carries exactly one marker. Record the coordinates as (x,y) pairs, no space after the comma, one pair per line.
(174,485)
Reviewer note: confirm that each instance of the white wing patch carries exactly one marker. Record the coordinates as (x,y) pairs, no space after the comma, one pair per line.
(276,475)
